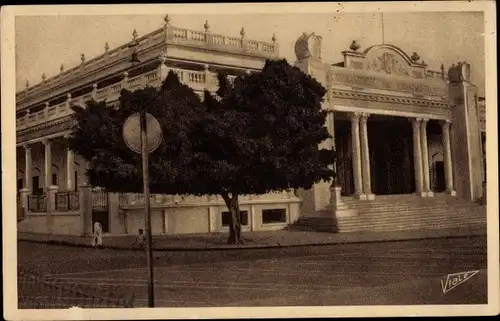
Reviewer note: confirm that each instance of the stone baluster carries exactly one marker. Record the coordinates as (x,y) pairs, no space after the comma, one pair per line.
(125,80)
(46,110)
(94,92)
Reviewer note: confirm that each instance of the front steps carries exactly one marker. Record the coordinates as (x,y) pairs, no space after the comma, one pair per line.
(399,212)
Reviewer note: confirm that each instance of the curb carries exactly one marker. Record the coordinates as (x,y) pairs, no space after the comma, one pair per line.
(410,236)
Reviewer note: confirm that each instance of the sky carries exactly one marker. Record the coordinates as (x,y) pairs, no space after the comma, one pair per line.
(43,43)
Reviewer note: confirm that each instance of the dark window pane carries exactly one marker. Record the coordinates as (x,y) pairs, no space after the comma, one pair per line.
(274,216)
(54,179)
(226,218)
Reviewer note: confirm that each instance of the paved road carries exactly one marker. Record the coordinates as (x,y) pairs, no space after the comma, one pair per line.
(346,274)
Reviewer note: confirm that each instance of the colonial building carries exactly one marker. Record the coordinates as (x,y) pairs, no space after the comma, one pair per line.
(398,127)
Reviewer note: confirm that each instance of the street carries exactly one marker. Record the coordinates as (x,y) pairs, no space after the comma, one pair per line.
(386,273)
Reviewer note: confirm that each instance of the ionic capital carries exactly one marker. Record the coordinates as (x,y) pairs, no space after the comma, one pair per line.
(355,116)
(445,123)
(425,120)
(27,147)
(46,142)
(125,74)
(94,86)
(364,117)
(68,96)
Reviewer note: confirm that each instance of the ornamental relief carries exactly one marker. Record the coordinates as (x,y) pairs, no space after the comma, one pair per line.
(389,64)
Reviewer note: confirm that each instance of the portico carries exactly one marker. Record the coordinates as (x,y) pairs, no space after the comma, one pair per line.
(396,125)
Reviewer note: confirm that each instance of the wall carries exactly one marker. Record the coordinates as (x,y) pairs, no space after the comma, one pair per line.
(66,223)
(201,218)
(187,220)
(135,220)
(33,223)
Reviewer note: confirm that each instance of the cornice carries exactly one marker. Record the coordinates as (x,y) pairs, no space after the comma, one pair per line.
(346,94)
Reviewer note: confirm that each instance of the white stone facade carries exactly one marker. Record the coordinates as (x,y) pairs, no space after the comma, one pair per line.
(380,86)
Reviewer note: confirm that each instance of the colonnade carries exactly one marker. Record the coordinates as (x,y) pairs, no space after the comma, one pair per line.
(361,156)
(70,166)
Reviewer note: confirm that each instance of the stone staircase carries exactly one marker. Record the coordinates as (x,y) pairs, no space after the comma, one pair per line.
(397,213)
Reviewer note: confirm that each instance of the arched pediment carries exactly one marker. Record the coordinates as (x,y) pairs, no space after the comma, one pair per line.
(388,59)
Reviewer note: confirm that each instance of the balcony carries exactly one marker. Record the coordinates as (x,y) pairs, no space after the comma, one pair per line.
(198,80)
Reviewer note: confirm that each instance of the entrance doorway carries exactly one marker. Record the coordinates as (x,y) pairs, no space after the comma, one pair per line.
(439,178)
(391,155)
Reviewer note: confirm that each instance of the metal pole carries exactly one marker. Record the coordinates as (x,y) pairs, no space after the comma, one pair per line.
(147,210)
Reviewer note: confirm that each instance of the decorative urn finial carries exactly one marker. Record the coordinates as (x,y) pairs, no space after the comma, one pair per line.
(274,37)
(43,77)
(415,57)
(166,19)
(206,26)
(134,34)
(106,47)
(242,31)
(61,68)
(82,58)
(354,46)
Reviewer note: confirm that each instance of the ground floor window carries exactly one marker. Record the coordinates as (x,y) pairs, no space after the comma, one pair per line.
(277,215)
(54,179)
(226,218)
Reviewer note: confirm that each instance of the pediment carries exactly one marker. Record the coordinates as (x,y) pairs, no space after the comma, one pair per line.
(387,59)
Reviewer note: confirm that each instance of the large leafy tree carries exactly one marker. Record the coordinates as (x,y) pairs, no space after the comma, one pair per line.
(97,136)
(256,135)
(261,134)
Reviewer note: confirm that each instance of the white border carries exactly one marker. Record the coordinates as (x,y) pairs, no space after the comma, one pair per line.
(8,14)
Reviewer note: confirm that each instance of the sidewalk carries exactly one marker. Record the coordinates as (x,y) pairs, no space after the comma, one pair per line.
(254,240)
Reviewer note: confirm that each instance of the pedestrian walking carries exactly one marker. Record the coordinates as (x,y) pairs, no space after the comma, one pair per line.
(97,236)
(141,238)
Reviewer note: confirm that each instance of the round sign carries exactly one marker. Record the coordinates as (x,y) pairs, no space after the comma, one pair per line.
(132,133)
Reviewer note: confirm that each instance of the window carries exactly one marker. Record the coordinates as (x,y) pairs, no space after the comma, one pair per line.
(54,179)
(274,216)
(19,184)
(226,218)
(76,180)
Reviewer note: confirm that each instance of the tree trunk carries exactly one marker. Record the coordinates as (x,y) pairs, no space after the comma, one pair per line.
(235,222)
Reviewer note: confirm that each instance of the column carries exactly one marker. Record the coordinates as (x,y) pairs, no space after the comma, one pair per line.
(365,158)
(27,189)
(28,169)
(48,163)
(448,164)
(70,169)
(356,155)
(417,157)
(425,158)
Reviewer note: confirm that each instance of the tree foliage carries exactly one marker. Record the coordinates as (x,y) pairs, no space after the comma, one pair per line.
(260,133)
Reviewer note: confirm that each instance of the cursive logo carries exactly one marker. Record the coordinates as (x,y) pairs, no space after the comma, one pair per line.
(454,280)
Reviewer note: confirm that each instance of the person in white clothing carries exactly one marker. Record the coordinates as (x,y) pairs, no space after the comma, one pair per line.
(97,236)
